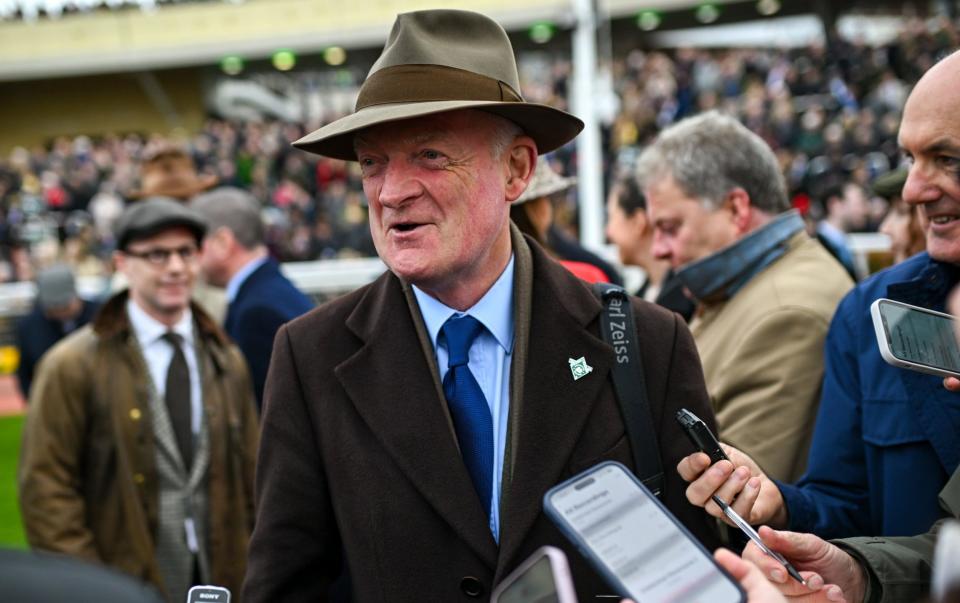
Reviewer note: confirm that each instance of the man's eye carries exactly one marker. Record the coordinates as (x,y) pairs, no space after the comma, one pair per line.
(431,155)
(949,163)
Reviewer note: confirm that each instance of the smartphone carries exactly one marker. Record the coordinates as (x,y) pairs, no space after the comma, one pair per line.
(700,435)
(208,594)
(544,577)
(915,338)
(633,540)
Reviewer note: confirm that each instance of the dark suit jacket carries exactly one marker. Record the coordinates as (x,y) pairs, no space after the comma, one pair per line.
(265,301)
(36,334)
(359,462)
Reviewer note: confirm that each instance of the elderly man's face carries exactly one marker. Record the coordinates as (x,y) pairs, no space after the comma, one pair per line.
(930,138)
(438,207)
(685,230)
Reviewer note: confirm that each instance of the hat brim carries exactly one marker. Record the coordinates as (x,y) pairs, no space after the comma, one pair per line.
(182,192)
(550,128)
(196,227)
(561,183)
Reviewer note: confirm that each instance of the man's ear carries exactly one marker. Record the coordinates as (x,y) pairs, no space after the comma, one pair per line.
(520,161)
(219,242)
(741,209)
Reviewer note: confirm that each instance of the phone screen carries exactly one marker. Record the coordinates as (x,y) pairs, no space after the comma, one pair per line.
(639,542)
(536,585)
(920,337)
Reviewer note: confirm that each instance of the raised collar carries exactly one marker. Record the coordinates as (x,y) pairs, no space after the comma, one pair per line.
(720,275)
(929,289)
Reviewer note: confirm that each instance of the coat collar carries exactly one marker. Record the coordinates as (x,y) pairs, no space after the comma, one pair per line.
(547,410)
(111,321)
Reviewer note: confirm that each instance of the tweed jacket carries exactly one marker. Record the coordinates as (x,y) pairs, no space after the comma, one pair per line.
(762,353)
(88,477)
(360,469)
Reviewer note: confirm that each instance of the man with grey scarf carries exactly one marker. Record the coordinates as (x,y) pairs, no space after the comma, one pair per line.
(765,291)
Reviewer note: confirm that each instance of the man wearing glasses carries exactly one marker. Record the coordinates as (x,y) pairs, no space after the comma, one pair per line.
(139,442)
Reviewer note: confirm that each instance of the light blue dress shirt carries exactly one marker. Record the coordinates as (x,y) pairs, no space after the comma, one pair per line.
(489,362)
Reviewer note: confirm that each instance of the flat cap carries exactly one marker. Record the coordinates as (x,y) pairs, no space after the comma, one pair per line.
(56,286)
(890,185)
(146,218)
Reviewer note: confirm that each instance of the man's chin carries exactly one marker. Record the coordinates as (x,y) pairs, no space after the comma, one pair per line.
(943,251)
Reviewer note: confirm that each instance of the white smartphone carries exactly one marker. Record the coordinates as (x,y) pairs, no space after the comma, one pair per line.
(916,338)
(544,577)
(635,542)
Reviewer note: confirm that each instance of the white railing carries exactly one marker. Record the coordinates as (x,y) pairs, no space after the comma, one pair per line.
(321,279)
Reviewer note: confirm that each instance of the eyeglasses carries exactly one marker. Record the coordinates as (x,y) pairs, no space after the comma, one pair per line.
(159,256)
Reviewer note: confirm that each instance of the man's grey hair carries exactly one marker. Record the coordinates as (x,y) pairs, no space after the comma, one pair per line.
(504,132)
(235,209)
(710,155)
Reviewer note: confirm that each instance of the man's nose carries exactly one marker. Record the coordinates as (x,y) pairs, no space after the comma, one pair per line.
(398,186)
(176,262)
(659,248)
(919,187)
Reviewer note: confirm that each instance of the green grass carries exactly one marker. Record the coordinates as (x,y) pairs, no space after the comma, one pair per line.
(11,529)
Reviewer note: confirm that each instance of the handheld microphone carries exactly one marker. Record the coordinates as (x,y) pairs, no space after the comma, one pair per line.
(208,594)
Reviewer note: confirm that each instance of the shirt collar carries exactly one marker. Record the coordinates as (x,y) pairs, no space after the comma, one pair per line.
(148,329)
(233,287)
(494,310)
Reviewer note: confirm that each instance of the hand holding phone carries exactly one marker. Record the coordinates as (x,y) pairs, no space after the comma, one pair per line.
(916,338)
(634,541)
(544,577)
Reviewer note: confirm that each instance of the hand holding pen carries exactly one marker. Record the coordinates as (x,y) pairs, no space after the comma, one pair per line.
(704,440)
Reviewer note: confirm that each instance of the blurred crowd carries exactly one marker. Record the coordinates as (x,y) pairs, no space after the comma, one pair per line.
(830,112)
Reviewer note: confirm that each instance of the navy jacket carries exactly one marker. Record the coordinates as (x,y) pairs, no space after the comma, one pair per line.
(36,334)
(886,439)
(265,301)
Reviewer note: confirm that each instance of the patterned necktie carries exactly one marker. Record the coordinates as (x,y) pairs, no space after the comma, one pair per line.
(177,397)
(468,407)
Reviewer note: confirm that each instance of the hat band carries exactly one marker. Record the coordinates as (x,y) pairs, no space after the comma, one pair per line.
(425,83)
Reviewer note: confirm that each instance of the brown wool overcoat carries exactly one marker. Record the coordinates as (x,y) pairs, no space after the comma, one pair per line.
(87,475)
(359,462)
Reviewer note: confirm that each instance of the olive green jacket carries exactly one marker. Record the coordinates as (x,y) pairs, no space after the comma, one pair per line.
(899,567)
(87,474)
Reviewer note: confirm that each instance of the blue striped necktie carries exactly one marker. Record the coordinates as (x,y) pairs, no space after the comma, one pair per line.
(468,407)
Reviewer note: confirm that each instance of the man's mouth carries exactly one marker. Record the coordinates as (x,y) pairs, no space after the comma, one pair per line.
(406,226)
(940,220)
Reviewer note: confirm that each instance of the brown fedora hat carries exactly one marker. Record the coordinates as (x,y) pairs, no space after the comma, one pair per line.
(443,60)
(168,171)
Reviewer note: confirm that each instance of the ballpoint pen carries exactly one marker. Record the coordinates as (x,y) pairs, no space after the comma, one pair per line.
(747,529)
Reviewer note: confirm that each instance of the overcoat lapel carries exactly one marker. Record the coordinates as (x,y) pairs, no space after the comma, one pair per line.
(390,384)
(547,419)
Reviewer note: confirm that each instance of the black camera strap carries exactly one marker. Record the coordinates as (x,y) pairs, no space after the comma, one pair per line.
(620,332)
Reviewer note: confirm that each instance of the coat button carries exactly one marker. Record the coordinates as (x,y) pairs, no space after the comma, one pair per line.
(135,414)
(138,478)
(472,587)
